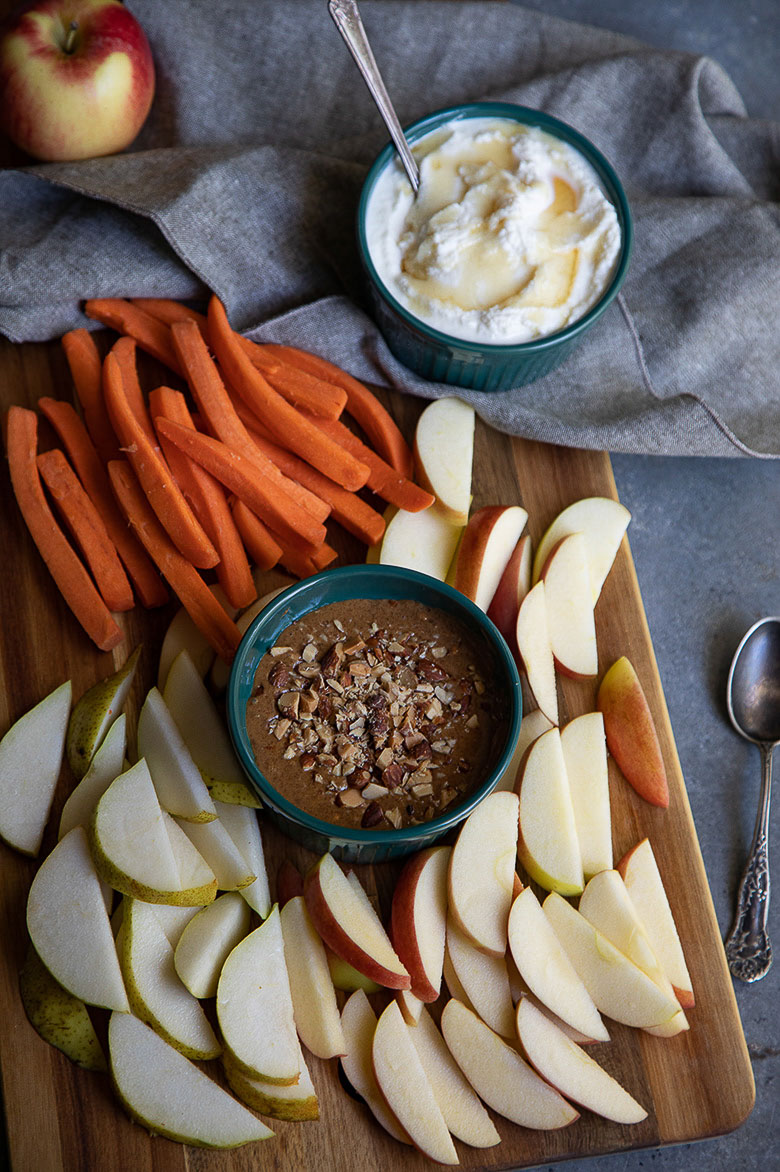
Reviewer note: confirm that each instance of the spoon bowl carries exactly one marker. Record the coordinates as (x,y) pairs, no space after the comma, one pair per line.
(753,702)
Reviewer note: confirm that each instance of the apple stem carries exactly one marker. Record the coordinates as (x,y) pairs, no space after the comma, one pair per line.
(70,36)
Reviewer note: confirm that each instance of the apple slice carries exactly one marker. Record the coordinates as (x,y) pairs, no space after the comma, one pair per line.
(205,734)
(534,724)
(254,1006)
(349,925)
(631,733)
(424,541)
(177,779)
(585,757)
(313,995)
(169,1095)
(514,584)
(30,760)
(487,544)
(485,980)
(645,887)
(444,453)
(358,1021)
(214,844)
(547,844)
(57,1016)
(499,1075)
(546,969)
(418,919)
(463,1113)
(241,824)
(404,1084)
(95,712)
(532,639)
(618,987)
(482,872)
(295,1103)
(69,925)
(603,521)
(207,940)
(570,619)
(411,1006)
(157,996)
(566,1066)
(346,977)
(108,763)
(454,984)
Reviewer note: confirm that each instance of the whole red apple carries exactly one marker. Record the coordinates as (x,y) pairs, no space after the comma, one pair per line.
(76,78)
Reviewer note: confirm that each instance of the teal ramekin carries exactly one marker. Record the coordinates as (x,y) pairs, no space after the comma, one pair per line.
(374,582)
(479,366)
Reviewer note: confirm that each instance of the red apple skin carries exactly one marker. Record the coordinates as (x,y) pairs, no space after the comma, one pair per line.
(472,548)
(340,942)
(631,735)
(60,106)
(403,927)
(508,596)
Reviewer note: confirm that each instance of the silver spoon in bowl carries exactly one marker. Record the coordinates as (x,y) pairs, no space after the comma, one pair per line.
(346,17)
(753,702)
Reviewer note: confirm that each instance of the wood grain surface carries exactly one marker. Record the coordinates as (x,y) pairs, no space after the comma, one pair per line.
(60,1118)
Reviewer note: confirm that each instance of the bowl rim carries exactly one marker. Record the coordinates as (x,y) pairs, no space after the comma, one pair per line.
(526,115)
(349,575)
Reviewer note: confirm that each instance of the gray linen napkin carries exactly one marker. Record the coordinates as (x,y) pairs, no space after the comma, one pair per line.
(245,181)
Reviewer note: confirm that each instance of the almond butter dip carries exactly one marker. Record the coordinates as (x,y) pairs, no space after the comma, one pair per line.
(510,237)
(374,713)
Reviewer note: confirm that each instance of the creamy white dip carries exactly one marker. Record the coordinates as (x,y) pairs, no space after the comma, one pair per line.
(510,237)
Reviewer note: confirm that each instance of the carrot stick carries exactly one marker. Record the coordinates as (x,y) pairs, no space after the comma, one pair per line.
(298,386)
(213,399)
(150,333)
(164,494)
(124,352)
(208,500)
(261,544)
(75,584)
(287,424)
(208,615)
(169,311)
(363,406)
(241,476)
(304,565)
(86,370)
(83,520)
(347,508)
(382,478)
(93,476)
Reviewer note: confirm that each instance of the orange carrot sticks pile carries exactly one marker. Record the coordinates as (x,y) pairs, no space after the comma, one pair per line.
(155,485)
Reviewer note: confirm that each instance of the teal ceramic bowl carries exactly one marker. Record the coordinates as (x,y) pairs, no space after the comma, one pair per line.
(479,366)
(373,582)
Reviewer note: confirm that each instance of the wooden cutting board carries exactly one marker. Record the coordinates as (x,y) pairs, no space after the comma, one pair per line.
(60,1118)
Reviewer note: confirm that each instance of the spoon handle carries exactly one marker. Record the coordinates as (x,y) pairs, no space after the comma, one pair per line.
(346,17)
(748,947)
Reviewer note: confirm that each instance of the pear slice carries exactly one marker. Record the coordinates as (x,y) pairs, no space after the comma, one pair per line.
(69,925)
(546,969)
(30,760)
(358,1021)
(482,871)
(174,919)
(405,1086)
(485,979)
(255,1009)
(177,779)
(242,826)
(205,734)
(618,987)
(94,714)
(315,1008)
(60,1018)
(215,845)
(296,1103)
(207,941)
(566,1066)
(108,763)
(463,1113)
(197,881)
(499,1075)
(156,994)
(169,1095)
(183,635)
